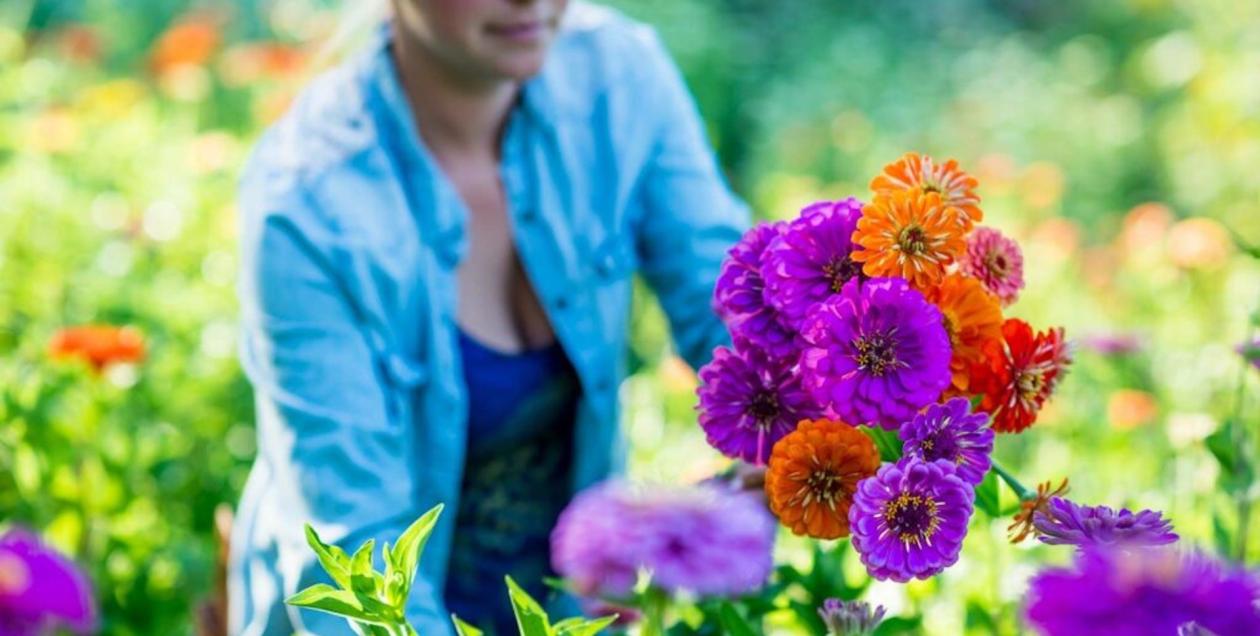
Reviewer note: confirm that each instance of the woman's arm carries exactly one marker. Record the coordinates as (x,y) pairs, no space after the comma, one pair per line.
(690,217)
(337,454)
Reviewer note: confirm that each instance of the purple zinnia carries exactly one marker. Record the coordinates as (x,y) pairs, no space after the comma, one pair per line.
(949,431)
(703,540)
(739,294)
(1063,522)
(850,618)
(40,589)
(1144,592)
(810,262)
(877,353)
(748,401)
(909,520)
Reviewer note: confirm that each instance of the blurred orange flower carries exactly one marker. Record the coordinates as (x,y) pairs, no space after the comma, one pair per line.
(98,345)
(914,235)
(79,43)
(261,61)
(973,317)
(189,42)
(813,473)
(1042,184)
(1145,227)
(920,173)
(1198,243)
(1130,408)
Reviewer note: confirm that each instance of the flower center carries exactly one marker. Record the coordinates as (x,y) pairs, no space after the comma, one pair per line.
(876,353)
(1029,384)
(839,271)
(763,407)
(932,187)
(912,240)
(997,263)
(940,445)
(912,518)
(15,576)
(821,486)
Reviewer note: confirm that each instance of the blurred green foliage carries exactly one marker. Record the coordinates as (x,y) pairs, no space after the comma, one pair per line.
(1117,140)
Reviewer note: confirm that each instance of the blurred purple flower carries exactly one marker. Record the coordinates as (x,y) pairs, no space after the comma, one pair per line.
(1111,591)
(704,540)
(40,589)
(739,294)
(877,353)
(748,401)
(1250,351)
(1063,522)
(850,618)
(1113,344)
(909,520)
(810,262)
(949,431)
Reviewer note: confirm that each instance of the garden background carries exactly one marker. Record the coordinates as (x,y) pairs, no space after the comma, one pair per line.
(1117,140)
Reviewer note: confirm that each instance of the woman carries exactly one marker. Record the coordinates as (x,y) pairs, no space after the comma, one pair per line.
(438,243)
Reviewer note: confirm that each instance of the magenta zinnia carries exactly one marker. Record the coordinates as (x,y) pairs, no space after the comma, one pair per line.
(739,298)
(812,260)
(41,589)
(748,401)
(909,520)
(877,353)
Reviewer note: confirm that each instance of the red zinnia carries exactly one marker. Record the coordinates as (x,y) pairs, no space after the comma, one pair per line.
(1019,373)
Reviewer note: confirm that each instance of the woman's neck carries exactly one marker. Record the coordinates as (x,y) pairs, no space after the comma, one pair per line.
(456,114)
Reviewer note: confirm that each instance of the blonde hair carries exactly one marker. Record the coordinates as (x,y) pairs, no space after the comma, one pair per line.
(357,20)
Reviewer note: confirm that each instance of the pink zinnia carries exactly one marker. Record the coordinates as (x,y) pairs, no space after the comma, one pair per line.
(996,261)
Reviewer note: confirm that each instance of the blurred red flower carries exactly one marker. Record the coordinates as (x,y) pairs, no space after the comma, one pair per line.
(98,345)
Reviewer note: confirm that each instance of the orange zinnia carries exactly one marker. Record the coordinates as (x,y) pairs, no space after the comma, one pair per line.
(909,234)
(99,345)
(190,42)
(920,173)
(972,317)
(813,473)
(1023,520)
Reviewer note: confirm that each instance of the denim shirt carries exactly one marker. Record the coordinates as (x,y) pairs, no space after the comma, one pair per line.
(350,240)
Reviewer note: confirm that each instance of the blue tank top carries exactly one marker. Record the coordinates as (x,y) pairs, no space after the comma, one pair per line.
(521,408)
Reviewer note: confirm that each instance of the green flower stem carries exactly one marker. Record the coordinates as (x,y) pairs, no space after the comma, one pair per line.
(654,604)
(1023,493)
(1238,435)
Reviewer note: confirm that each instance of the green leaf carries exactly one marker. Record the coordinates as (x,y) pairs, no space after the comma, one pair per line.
(987,495)
(887,442)
(732,622)
(530,617)
(899,625)
(364,580)
(582,627)
(406,553)
(327,598)
(332,558)
(464,629)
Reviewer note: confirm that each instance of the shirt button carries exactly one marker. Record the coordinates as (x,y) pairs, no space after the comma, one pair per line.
(528,215)
(603,384)
(560,302)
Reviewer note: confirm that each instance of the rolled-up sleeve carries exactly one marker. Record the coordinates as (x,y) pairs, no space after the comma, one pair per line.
(338,453)
(690,216)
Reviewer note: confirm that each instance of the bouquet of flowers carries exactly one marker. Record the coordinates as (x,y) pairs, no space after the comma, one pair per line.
(869,331)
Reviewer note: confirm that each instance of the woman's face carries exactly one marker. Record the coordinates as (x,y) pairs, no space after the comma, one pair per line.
(484,39)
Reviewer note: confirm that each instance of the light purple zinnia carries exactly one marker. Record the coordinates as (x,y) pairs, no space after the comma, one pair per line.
(739,294)
(706,541)
(876,353)
(909,520)
(1063,522)
(40,589)
(951,432)
(1144,592)
(850,618)
(748,401)
(811,261)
